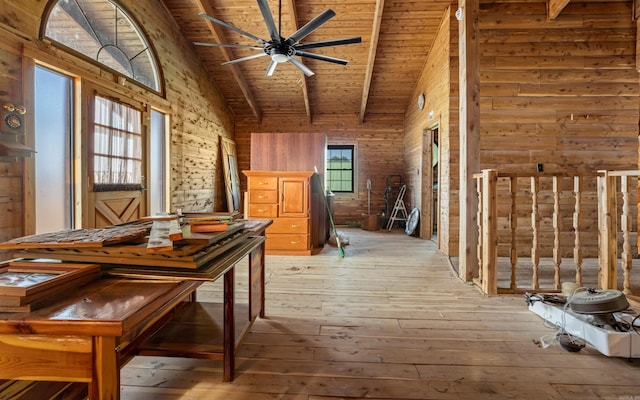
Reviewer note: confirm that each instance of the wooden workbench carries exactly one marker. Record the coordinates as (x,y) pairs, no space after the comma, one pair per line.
(90,334)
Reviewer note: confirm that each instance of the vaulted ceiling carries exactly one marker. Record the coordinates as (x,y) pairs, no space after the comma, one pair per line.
(379,78)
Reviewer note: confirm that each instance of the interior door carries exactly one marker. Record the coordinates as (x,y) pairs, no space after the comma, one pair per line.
(116,159)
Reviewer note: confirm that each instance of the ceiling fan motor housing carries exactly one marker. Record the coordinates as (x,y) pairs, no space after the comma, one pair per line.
(593,301)
(281,53)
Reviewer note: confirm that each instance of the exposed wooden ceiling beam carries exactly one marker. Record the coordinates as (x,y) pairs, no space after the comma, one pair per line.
(555,7)
(373,47)
(218,36)
(291,4)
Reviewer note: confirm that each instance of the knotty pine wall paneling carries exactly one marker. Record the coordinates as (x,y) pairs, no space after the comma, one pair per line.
(197,111)
(379,152)
(11,172)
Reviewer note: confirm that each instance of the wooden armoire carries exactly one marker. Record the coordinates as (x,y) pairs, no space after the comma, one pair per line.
(290,199)
(283,185)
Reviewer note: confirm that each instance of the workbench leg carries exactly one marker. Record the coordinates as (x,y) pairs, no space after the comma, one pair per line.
(256,283)
(262,268)
(229,344)
(262,278)
(105,384)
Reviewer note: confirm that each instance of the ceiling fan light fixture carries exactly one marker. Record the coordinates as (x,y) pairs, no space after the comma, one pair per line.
(279,57)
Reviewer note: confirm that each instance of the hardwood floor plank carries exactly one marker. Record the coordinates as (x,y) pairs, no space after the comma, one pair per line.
(390,320)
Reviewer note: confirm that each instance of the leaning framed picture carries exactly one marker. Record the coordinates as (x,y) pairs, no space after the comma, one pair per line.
(29,278)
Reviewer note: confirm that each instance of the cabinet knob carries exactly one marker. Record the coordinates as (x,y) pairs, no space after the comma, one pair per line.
(295,242)
(262,210)
(262,183)
(295,226)
(262,197)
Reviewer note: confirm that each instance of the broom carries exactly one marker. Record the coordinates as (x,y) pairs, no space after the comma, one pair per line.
(326,203)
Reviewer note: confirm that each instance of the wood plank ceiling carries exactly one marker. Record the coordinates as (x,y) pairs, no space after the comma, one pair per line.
(379,79)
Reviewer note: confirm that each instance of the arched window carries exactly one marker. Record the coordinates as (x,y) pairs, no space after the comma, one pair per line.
(103,31)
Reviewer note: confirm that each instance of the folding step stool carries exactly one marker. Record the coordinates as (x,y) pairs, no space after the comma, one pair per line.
(398,208)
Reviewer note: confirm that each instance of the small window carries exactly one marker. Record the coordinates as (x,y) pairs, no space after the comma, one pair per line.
(117,146)
(340,168)
(104,32)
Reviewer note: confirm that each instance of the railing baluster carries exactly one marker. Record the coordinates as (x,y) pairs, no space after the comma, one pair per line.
(557,226)
(625,226)
(479,223)
(535,225)
(490,231)
(513,220)
(577,217)
(607,230)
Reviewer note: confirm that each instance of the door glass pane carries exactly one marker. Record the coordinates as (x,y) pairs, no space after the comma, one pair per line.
(53,131)
(117,146)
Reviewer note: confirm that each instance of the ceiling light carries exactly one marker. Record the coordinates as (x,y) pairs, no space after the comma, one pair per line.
(279,57)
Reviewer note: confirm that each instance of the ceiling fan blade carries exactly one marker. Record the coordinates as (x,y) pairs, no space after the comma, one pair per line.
(301,66)
(311,26)
(245,58)
(233,28)
(328,43)
(268,20)
(321,57)
(271,68)
(235,46)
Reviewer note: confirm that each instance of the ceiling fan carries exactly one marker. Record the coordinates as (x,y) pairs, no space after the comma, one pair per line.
(279,49)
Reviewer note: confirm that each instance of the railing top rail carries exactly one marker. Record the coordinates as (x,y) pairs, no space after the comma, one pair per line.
(634,172)
(502,174)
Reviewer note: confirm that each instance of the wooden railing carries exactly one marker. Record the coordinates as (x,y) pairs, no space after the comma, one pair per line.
(572,220)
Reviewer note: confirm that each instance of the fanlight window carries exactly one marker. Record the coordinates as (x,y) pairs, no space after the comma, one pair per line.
(103,31)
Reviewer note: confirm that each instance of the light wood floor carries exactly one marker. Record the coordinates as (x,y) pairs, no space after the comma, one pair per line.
(388,321)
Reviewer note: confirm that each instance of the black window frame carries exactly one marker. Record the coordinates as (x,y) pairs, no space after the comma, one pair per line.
(352,149)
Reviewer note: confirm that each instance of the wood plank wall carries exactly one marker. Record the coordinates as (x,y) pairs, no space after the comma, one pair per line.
(11,173)
(535,75)
(562,93)
(197,112)
(287,151)
(379,152)
(199,115)
(435,84)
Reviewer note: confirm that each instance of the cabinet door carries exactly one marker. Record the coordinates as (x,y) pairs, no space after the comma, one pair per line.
(294,197)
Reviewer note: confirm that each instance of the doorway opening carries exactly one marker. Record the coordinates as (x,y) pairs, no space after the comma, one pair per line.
(429,214)
(435,176)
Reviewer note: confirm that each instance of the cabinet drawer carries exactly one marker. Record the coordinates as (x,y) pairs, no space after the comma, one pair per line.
(263,183)
(289,225)
(263,197)
(263,210)
(287,242)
